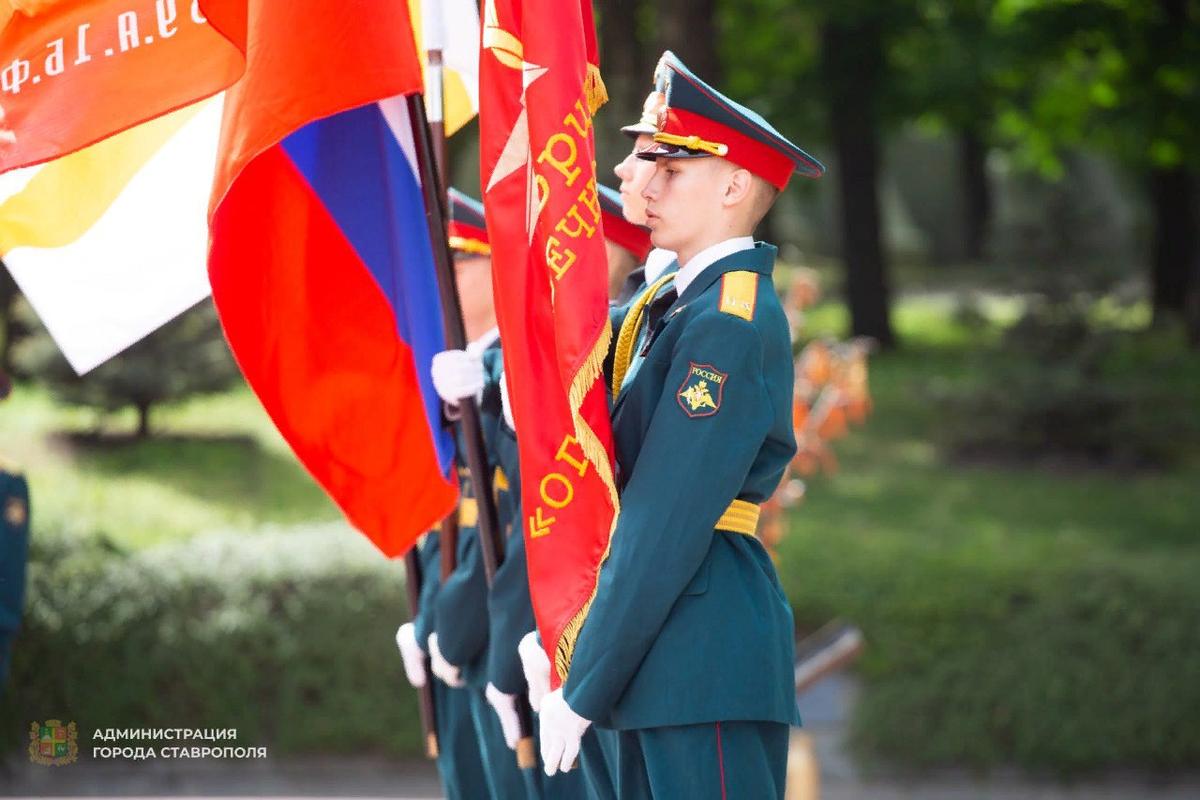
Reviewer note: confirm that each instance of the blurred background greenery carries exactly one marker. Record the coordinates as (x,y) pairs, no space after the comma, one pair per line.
(1010,211)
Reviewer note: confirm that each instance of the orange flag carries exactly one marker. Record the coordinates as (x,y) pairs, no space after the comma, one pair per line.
(73,73)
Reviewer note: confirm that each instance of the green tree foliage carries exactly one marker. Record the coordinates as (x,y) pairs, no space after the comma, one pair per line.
(187,356)
(11,329)
(1120,77)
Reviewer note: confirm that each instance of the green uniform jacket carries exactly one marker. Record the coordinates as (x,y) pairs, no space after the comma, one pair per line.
(461,606)
(689,624)
(14,552)
(430,555)
(510,612)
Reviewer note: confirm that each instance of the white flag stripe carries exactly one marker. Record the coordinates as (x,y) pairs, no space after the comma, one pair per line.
(141,264)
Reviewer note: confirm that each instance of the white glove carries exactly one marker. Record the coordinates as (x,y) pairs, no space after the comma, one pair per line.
(447,672)
(457,374)
(561,731)
(536,667)
(505,405)
(412,655)
(506,709)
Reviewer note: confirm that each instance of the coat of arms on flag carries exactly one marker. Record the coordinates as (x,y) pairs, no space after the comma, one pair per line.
(52,743)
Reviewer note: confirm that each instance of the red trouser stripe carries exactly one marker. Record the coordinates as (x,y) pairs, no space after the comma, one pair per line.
(721,762)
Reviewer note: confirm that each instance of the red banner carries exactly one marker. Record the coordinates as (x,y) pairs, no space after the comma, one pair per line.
(539,87)
(72,73)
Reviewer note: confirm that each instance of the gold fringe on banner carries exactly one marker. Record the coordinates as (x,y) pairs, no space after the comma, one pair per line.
(594,89)
(593,450)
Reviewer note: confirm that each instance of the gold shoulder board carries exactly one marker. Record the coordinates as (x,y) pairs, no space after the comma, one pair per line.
(738,292)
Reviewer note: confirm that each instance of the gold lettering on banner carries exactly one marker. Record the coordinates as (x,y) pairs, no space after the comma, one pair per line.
(558,260)
(580,226)
(582,124)
(558,479)
(582,219)
(564,165)
(590,199)
(556,489)
(578,462)
(539,525)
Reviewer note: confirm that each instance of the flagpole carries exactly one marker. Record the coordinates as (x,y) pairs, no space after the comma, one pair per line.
(433,32)
(412,566)
(491,545)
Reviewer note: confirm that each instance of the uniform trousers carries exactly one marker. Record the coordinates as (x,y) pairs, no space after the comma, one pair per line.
(504,778)
(598,763)
(459,763)
(712,761)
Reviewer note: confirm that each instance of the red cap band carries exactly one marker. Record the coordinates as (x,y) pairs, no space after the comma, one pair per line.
(745,151)
(468,238)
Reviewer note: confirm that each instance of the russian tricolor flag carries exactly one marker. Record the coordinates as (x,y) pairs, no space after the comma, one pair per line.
(320,260)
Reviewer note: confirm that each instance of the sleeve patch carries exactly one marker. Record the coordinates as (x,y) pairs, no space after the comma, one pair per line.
(701,391)
(739,291)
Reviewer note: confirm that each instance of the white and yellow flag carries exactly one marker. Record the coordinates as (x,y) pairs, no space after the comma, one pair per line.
(454,25)
(110,242)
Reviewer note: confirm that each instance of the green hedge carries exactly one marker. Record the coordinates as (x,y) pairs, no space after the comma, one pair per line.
(977,656)
(978,659)
(287,637)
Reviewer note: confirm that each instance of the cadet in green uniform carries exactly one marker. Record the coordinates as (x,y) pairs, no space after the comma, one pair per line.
(458,646)
(496,664)
(14,550)
(687,651)
(627,244)
(634,174)
(510,610)
(464,763)
(458,760)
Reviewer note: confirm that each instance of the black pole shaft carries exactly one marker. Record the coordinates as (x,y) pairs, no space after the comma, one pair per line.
(491,545)
(449,546)
(412,566)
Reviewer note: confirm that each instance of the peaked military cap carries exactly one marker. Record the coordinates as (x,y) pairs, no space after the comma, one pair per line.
(467,229)
(698,121)
(648,122)
(617,229)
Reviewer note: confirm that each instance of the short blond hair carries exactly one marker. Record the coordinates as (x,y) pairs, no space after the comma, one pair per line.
(765,195)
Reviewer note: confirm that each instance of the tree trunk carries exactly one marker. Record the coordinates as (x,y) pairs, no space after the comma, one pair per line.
(1193,309)
(976,193)
(689,29)
(1173,202)
(852,63)
(626,62)
(8,327)
(143,429)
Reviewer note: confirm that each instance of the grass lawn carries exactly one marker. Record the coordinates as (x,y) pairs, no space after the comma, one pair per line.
(217,463)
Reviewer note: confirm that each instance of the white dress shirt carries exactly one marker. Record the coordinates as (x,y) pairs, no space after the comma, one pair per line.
(657,261)
(709,255)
